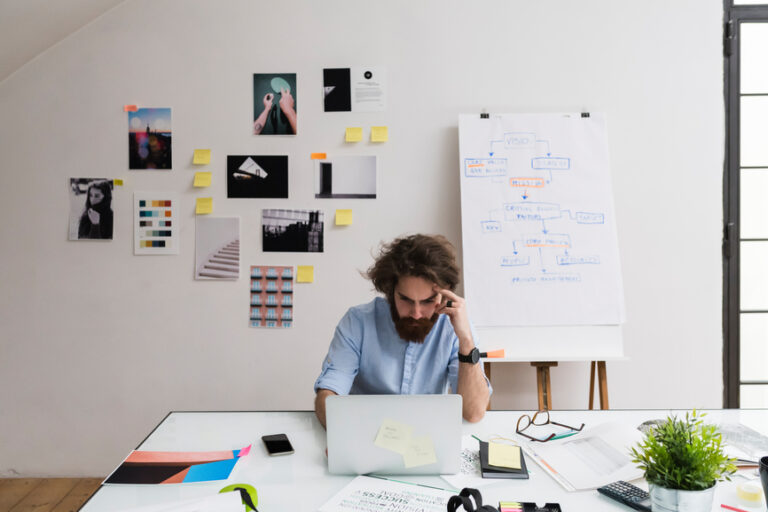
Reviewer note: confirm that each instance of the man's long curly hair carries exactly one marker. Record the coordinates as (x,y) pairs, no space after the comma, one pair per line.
(431,257)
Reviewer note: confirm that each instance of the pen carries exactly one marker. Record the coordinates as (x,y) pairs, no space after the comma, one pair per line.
(480,440)
(732,508)
(567,434)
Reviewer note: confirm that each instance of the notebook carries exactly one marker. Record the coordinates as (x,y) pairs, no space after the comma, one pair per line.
(393,434)
(489,471)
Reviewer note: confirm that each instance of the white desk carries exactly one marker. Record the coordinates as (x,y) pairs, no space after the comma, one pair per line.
(300,482)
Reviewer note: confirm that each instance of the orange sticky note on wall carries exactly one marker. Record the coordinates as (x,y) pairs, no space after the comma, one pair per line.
(130,108)
(318,156)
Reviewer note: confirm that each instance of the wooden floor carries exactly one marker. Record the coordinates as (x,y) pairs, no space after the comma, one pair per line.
(45,494)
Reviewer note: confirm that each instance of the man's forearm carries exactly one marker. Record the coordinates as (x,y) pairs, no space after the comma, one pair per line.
(320,397)
(473,389)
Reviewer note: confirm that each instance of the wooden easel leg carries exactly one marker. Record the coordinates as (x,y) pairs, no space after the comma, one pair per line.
(544,384)
(592,385)
(487,368)
(602,378)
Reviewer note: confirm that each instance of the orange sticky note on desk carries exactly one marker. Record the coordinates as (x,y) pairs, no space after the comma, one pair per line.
(305,274)
(379,134)
(204,205)
(343,217)
(318,156)
(354,134)
(202,157)
(202,179)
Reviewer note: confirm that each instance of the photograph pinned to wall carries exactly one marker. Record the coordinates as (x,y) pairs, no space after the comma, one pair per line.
(292,230)
(155,223)
(217,248)
(274,104)
(90,209)
(257,176)
(149,138)
(356,89)
(346,177)
(271,296)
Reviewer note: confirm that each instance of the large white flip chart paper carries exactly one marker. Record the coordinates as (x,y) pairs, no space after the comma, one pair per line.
(538,226)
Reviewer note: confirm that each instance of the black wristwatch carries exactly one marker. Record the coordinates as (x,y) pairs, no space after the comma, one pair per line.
(473,356)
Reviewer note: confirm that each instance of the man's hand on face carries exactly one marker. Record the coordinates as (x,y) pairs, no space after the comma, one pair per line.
(456,309)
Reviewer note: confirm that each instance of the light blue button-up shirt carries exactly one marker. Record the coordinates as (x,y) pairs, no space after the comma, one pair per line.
(367,356)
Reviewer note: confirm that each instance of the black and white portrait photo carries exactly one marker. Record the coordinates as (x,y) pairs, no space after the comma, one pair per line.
(90,209)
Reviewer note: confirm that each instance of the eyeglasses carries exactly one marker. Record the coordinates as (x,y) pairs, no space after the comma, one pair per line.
(539,419)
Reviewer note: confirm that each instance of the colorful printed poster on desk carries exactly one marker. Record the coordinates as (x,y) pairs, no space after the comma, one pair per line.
(155,223)
(271,296)
(366,494)
(145,467)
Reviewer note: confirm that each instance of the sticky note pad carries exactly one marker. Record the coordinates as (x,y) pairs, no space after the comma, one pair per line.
(117,182)
(204,205)
(130,108)
(343,217)
(354,134)
(420,452)
(202,179)
(394,436)
(305,274)
(504,455)
(379,134)
(202,157)
(318,156)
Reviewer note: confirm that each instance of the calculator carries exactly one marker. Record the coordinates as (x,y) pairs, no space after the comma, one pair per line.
(628,494)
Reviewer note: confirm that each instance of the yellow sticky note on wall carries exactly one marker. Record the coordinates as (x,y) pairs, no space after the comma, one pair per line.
(379,134)
(354,134)
(343,217)
(117,182)
(202,157)
(204,205)
(202,179)
(305,274)
(504,455)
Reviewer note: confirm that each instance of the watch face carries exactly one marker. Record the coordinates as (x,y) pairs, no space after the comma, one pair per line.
(475,355)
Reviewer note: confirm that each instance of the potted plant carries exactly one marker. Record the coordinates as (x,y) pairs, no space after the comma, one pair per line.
(683,459)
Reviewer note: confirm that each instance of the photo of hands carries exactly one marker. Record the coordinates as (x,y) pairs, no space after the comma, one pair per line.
(274,104)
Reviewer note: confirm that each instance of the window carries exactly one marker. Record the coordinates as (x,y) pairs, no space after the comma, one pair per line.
(745,244)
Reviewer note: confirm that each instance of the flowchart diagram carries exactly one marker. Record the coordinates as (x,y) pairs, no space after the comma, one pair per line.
(540,246)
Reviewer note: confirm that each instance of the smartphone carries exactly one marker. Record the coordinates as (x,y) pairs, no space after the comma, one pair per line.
(277,444)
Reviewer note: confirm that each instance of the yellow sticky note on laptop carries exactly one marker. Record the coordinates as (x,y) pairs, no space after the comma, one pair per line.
(420,452)
(202,179)
(354,134)
(204,205)
(305,274)
(202,157)
(394,436)
(504,455)
(343,217)
(379,134)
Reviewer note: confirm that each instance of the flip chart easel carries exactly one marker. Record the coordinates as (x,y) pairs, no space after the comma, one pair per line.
(540,251)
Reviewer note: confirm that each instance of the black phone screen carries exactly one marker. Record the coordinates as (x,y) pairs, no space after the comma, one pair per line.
(277,444)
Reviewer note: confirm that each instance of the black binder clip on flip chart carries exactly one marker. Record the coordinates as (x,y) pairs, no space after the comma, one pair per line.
(484,115)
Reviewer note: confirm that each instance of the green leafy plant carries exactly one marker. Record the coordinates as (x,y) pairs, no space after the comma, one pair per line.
(683,454)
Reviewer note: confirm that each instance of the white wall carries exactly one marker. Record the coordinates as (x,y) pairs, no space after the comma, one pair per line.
(97,345)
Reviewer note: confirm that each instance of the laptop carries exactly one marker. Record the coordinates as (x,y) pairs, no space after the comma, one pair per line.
(371,433)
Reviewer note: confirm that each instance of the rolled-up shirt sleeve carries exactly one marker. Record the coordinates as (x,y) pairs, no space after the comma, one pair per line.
(342,363)
(453,365)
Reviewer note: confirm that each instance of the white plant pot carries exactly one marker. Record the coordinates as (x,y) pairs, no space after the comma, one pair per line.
(674,500)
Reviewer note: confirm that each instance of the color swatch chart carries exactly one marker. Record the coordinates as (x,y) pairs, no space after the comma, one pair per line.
(155,226)
(271,296)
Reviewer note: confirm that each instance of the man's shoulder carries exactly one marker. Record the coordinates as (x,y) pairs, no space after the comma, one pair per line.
(369,308)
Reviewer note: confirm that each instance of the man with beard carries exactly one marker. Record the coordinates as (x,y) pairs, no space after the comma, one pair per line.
(415,340)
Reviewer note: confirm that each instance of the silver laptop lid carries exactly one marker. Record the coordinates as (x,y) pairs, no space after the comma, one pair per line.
(369,434)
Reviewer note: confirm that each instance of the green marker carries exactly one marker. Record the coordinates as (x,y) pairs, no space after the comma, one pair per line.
(567,434)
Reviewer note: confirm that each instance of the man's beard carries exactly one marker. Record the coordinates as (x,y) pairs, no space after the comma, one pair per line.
(412,329)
